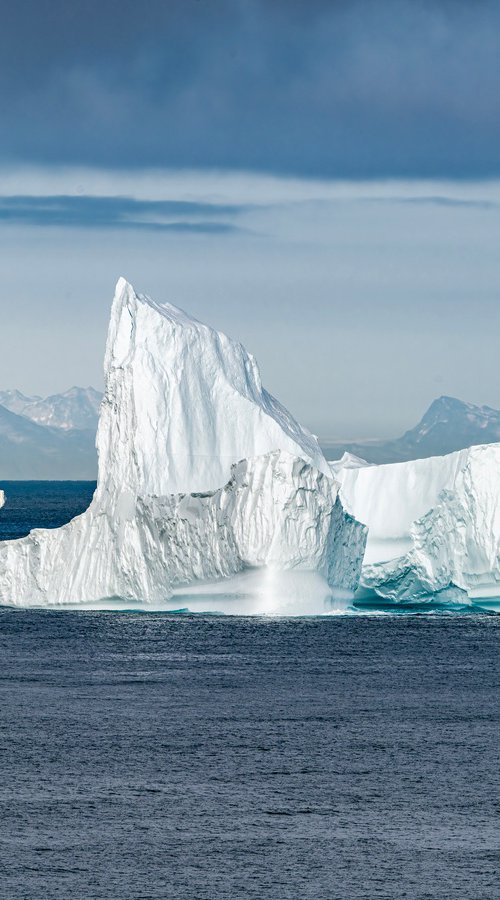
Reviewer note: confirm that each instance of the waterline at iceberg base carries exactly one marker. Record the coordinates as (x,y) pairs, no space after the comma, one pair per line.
(211,497)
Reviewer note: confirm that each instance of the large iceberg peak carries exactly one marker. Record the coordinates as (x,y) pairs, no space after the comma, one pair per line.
(183,402)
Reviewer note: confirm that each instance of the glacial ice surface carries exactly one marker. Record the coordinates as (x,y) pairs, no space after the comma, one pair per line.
(202,475)
(434,525)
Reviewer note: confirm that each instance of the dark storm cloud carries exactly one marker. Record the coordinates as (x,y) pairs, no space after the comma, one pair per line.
(356,88)
(119,212)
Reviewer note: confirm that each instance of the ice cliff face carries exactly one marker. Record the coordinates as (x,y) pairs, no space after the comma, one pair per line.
(434,525)
(202,474)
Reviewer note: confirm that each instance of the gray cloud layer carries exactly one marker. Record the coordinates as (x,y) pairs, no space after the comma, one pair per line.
(311,86)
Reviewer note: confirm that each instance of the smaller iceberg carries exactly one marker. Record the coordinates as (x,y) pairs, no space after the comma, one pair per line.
(434,526)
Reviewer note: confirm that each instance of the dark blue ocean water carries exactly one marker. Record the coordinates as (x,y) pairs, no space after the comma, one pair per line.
(152,756)
(162,756)
(41,504)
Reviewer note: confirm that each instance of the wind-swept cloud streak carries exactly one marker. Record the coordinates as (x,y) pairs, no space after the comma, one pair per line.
(119,213)
(316,87)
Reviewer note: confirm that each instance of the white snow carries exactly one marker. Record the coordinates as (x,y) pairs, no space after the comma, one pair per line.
(202,474)
(347,461)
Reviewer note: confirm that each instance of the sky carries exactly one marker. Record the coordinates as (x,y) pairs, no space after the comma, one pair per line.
(319,179)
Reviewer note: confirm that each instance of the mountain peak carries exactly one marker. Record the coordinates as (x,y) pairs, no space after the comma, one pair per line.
(451,424)
(446,402)
(76,408)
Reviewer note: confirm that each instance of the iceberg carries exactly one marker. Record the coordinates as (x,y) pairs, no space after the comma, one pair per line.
(202,475)
(434,525)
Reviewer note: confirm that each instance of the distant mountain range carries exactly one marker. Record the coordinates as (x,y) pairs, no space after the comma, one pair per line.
(448,425)
(53,438)
(50,438)
(77,408)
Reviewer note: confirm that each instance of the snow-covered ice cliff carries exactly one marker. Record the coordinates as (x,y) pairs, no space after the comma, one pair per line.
(202,474)
(434,524)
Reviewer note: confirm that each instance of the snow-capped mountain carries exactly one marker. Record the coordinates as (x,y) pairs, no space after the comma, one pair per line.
(17,402)
(51,438)
(77,408)
(448,425)
(32,451)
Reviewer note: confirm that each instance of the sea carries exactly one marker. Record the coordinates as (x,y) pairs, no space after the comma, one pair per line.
(159,755)
(41,504)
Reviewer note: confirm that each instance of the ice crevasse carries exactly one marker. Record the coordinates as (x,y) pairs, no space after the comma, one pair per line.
(202,475)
